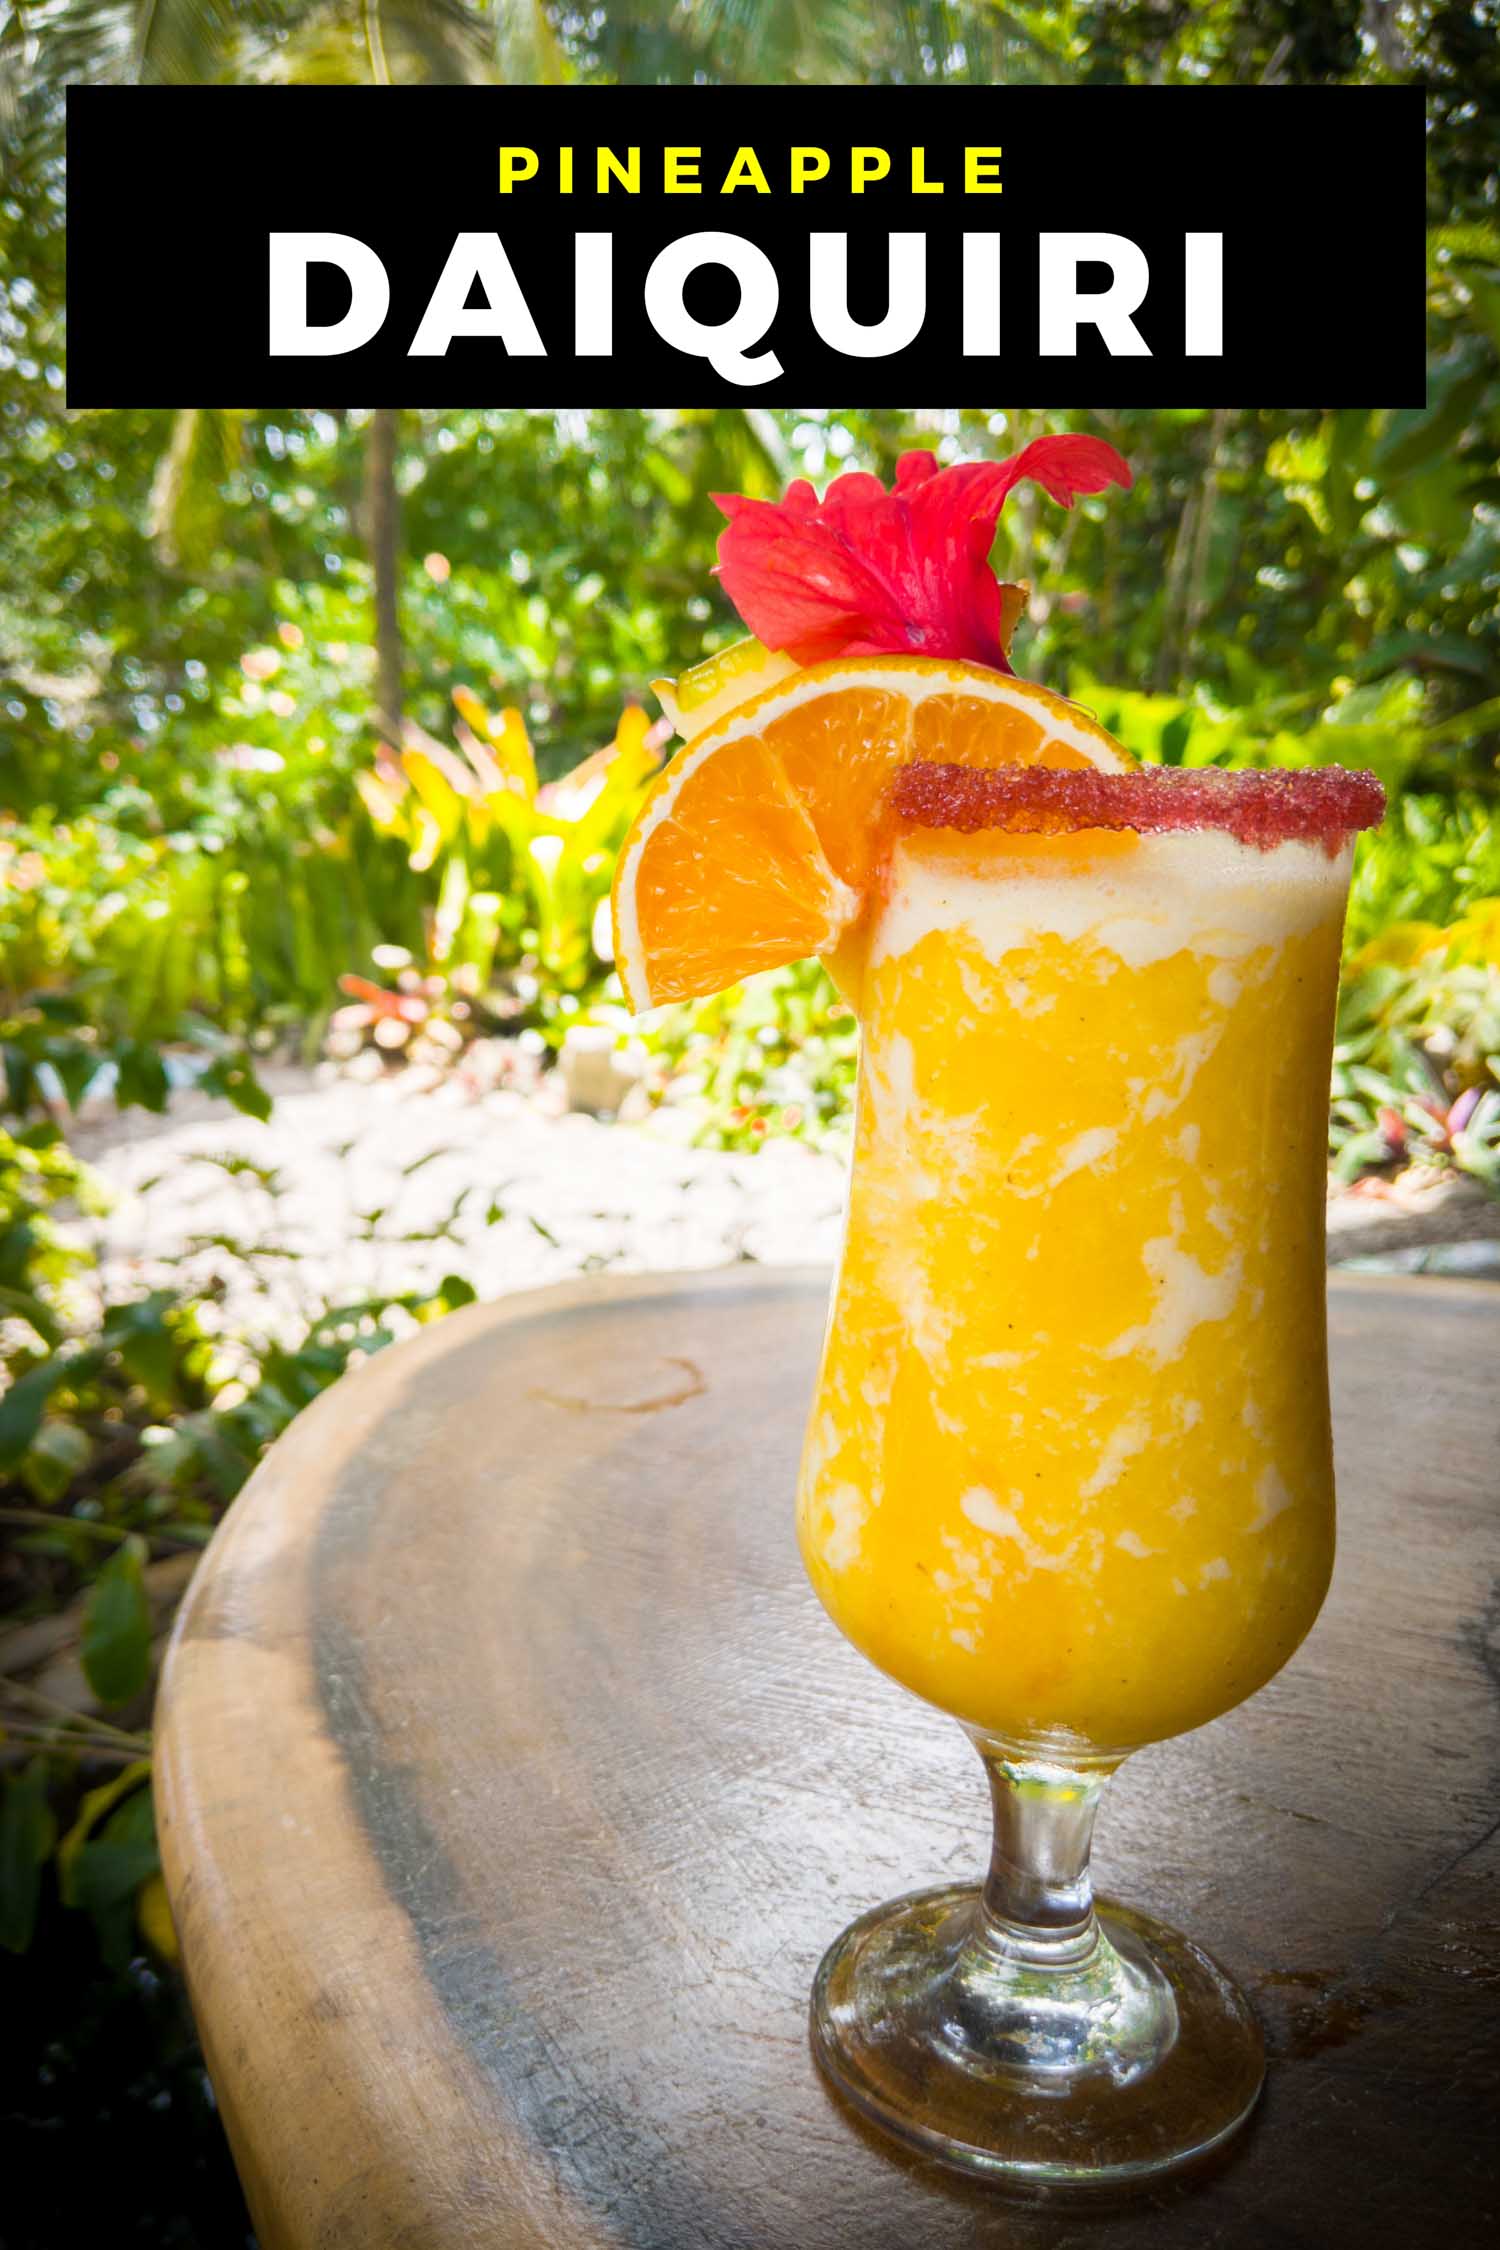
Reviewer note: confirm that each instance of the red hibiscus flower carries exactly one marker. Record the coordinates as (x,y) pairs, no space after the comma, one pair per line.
(866,572)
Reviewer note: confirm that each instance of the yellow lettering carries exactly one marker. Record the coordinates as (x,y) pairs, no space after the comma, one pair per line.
(680,171)
(516,164)
(981,171)
(745,171)
(866,164)
(920,184)
(628,174)
(808,164)
(565,170)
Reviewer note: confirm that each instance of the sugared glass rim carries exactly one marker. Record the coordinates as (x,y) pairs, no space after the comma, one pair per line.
(1311,804)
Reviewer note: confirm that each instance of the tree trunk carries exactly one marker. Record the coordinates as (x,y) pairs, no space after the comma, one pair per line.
(1197,585)
(383,531)
(1168,668)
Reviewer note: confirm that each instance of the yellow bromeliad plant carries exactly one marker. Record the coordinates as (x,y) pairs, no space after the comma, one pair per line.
(1417,1066)
(1473,940)
(523,866)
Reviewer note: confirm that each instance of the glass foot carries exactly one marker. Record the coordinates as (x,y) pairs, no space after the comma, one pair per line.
(1132,2058)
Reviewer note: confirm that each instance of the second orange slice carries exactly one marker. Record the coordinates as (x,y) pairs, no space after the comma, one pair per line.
(759,843)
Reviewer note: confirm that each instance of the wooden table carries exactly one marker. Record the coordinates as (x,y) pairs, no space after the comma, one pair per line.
(512,1783)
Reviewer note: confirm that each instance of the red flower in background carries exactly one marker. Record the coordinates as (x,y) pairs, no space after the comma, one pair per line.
(866,572)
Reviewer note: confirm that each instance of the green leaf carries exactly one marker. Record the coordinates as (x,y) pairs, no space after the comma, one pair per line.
(25,1304)
(76,1064)
(59,1452)
(60,1007)
(110,1870)
(224,1465)
(408,1171)
(27,1832)
(21,1091)
(149,1350)
(23,1406)
(142,1077)
(1484,306)
(116,1645)
(1437,430)
(234,1077)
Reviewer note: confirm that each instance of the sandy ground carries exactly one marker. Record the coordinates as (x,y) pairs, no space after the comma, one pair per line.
(359,1190)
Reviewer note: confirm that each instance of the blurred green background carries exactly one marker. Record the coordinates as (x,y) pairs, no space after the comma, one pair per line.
(292,707)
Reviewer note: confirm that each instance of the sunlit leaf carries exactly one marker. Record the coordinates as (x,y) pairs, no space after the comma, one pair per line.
(95,1804)
(110,1871)
(154,1914)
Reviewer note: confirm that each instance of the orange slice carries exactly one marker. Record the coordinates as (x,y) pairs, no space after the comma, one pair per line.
(759,843)
(707,693)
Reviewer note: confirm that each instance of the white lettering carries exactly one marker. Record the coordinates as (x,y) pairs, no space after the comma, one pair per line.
(723,343)
(289,331)
(1205,296)
(593,295)
(1063,306)
(906,296)
(981,296)
(477,257)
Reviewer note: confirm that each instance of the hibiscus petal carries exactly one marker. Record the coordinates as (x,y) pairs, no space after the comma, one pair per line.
(871,572)
(1066,466)
(915,468)
(797,587)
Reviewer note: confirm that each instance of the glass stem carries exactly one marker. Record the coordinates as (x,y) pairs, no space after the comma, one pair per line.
(1037,1907)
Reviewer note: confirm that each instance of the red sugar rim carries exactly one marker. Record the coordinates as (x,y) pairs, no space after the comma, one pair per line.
(1315,804)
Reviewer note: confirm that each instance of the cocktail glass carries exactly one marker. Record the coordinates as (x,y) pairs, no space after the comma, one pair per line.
(1068,1471)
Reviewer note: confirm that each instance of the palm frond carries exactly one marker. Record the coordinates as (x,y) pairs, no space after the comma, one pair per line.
(187,492)
(374,42)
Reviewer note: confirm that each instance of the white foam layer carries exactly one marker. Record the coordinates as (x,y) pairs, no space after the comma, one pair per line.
(1196,890)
